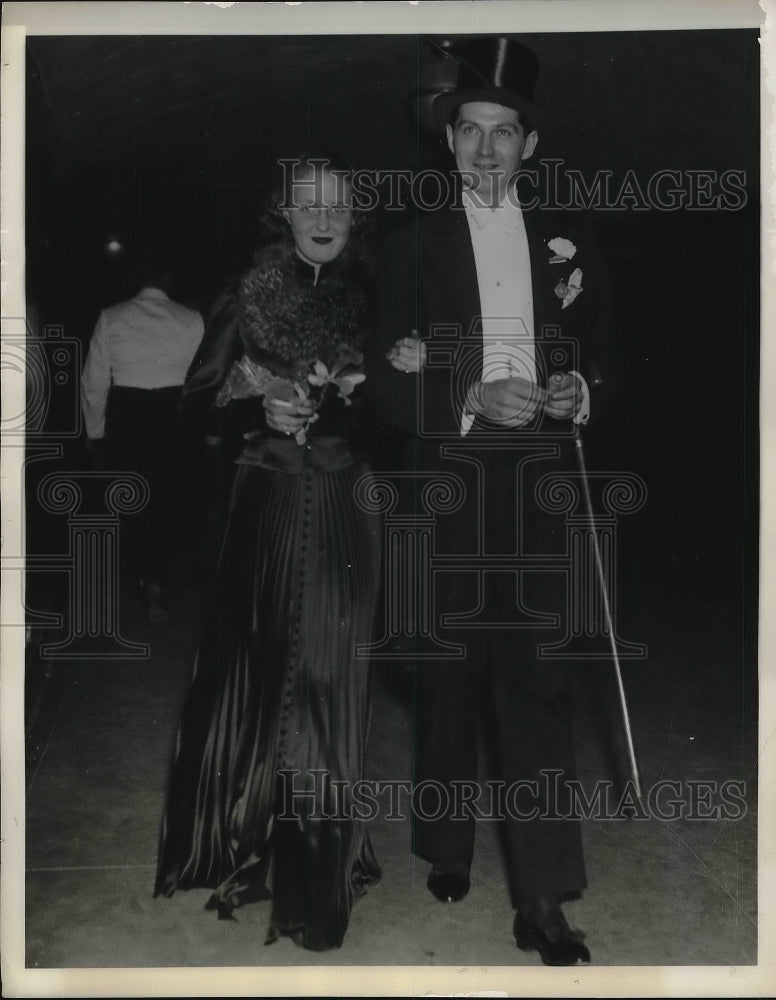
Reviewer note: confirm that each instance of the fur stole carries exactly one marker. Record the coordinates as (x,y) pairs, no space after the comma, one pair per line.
(285,315)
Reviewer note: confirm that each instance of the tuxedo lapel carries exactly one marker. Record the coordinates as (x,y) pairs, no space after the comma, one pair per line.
(450,258)
(452,295)
(537,227)
(536,231)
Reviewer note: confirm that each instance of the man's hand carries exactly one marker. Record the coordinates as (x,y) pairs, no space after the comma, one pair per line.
(287,417)
(408,354)
(564,396)
(511,402)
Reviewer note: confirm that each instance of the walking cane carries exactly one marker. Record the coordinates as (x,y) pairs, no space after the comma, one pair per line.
(608,615)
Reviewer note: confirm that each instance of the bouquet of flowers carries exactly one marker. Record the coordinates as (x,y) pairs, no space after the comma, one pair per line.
(307,381)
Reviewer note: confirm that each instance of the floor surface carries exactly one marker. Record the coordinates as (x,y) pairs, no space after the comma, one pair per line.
(663,891)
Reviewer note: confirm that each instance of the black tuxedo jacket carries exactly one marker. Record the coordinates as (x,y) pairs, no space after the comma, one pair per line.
(429,285)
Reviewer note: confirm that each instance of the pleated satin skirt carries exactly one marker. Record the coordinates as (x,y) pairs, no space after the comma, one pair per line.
(278,710)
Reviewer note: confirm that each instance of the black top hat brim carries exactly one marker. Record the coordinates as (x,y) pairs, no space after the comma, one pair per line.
(534,114)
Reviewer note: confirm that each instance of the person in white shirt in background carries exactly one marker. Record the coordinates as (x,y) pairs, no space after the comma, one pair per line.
(490,393)
(131,388)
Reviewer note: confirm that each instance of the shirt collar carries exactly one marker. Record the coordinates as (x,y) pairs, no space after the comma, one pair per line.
(151,291)
(507,216)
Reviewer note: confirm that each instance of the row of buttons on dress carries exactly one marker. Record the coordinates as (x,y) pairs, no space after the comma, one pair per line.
(294,653)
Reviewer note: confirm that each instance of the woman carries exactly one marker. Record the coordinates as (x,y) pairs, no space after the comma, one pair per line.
(278,708)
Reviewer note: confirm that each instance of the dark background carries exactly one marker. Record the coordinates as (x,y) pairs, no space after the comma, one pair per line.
(175,138)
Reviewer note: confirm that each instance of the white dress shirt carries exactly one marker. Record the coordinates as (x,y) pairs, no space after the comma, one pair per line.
(147,342)
(503,263)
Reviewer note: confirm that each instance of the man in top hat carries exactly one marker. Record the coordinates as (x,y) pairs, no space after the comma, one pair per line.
(511,308)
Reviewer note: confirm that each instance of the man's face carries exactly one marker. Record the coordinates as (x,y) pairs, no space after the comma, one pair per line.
(489,143)
(320,215)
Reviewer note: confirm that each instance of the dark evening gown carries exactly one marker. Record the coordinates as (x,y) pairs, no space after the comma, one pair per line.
(279,703)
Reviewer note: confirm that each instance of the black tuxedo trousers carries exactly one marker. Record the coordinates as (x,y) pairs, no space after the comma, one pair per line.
(429,284)
(500,615)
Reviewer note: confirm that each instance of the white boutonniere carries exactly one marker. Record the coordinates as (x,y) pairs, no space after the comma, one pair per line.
(563,250)
(568,290)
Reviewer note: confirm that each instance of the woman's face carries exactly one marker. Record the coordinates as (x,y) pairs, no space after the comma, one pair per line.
(319,212)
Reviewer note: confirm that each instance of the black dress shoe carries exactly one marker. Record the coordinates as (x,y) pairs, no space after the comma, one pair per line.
(448,885)
(557,944)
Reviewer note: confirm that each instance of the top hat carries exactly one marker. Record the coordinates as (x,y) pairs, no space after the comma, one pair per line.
(497,70)
(436,75)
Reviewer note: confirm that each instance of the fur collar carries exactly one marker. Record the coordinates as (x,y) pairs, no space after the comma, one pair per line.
(285,313)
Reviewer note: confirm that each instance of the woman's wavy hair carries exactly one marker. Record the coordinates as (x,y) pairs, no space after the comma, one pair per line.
(274,227)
